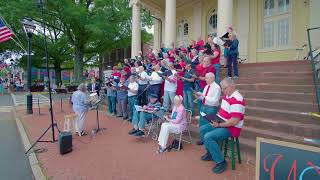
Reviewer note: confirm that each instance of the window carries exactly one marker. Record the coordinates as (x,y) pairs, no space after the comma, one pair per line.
(212,22)
(276,23)
(185,29)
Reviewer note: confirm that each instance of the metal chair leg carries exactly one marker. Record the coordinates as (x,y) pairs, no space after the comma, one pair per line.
(232,154)
(238,150)
(180,141)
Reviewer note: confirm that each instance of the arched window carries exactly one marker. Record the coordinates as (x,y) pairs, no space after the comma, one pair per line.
(212,22)
(185,29)
(182,31)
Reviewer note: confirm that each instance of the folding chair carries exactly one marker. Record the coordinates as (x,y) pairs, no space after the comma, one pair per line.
(189,121)
(155,124)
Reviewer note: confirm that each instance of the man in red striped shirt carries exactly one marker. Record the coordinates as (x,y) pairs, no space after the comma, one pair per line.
(227,123)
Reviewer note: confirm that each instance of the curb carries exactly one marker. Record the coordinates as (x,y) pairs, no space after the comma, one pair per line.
(34,163)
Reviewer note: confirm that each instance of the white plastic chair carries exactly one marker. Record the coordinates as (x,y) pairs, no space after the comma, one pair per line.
(69,122)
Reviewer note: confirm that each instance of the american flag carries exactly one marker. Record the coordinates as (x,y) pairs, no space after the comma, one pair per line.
(5,32)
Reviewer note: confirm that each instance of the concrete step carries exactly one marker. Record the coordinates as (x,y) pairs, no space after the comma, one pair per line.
(276,87)
(281,74)
(285,96)
(282,104)
(273,113)
(286,126)
(276,80)
(252,133)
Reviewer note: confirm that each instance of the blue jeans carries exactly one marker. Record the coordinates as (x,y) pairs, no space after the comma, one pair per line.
(132,100)
(139,118)
(168,96)
(207,110)
(217,67)
(232,63)
(112,104)
(211,136)
(188,100)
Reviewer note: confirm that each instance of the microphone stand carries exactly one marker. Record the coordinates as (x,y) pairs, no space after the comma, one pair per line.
(96,106)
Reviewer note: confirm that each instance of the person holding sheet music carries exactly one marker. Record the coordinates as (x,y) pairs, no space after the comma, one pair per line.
(155,81)
(170,86)
(122,98)
(210,99)
(141,115)
(132,94)
(228,122)
(175,123)
(143,82)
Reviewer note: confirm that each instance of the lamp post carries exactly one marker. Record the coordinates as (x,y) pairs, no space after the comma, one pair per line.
(29,28)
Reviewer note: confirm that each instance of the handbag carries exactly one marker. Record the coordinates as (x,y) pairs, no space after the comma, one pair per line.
(175,145)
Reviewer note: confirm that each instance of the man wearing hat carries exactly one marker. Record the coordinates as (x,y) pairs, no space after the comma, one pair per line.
(140,117)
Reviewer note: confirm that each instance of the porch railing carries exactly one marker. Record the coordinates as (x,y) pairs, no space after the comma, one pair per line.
(314,55)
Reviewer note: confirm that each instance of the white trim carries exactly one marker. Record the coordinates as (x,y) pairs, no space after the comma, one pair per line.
(275,49)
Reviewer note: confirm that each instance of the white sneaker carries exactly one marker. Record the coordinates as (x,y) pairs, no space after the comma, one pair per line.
(235,77)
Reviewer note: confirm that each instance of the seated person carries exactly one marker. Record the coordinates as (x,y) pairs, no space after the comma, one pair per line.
(140,117)
(230,116)
(176,123)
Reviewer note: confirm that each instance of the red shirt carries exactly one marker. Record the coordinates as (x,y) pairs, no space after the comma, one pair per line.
(217,59)
(203,74)
(233,107)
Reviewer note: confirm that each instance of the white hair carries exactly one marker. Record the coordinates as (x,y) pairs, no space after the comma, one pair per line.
(82,87)
(178,97)
(228,81)
(210,75)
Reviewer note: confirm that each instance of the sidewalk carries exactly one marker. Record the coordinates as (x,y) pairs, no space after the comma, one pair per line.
(113,154)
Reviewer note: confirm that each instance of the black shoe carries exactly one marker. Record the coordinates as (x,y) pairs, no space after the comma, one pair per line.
(139,133)
(206,157)
(130,120)
(199,143)
(133,131)
(119,116)
(219,168)
(125,118)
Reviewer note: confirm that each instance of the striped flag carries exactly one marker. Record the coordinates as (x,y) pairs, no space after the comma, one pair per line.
(5,32)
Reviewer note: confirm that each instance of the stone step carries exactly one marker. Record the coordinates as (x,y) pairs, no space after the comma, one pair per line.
(272,113)
(276,87)
(252,133)
(286,126)
(281,74)
(276,80)
(282,104)
(285,96)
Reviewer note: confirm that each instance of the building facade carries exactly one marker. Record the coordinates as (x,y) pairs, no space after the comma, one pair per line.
(268,30)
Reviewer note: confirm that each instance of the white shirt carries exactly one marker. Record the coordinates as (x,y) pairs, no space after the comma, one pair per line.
(213,96)
(169,86)
(155,78)
(133,86)
(144,76)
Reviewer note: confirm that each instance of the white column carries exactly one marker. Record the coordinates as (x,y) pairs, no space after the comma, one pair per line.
(197,20)
(225,9)
(170,22)
(156,34)
(243,27)
(136,30)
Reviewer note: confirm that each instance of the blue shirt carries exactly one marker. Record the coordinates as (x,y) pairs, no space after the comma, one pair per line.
(111,92)
(186,84)
(79,100)
(234,48)
(122,94)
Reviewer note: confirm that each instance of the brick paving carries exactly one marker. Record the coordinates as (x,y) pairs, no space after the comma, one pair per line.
(113,154)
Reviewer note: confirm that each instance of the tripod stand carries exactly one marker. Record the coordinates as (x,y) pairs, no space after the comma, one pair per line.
(52,125)
(96,107)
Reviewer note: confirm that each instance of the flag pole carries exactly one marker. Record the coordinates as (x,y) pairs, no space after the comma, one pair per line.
(18,44)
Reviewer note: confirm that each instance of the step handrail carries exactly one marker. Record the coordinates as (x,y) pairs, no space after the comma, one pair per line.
(314,63)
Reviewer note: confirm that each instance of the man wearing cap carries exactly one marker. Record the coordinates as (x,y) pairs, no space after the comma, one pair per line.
(140,117)
(188,85)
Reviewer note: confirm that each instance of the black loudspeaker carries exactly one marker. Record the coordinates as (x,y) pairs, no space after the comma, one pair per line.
(65,142)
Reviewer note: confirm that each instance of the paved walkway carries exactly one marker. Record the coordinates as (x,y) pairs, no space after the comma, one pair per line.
(14,163)
(114,155)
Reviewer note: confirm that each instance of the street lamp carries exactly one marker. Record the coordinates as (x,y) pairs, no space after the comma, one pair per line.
(29,28)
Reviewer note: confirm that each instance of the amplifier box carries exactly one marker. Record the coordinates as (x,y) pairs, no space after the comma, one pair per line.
(65,142)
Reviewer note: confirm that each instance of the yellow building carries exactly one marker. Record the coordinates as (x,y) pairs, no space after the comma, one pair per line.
(268,30)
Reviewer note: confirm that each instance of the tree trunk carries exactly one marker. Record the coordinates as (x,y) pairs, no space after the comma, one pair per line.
(78,64)
(101,66)
(57,69)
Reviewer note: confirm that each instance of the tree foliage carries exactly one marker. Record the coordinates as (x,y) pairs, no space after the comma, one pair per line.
(77,30)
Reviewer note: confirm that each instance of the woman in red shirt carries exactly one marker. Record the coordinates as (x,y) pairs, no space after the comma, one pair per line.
(215,60)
